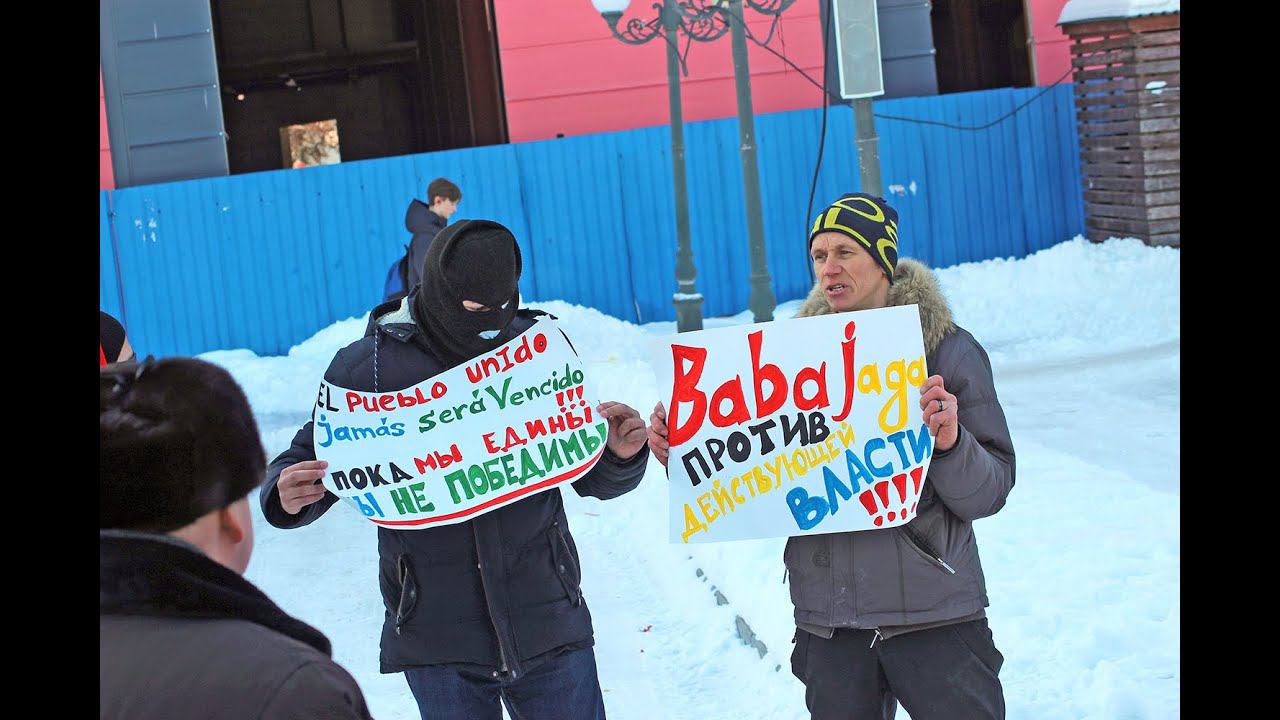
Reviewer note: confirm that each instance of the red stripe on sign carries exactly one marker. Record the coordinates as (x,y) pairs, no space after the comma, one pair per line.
(495,501)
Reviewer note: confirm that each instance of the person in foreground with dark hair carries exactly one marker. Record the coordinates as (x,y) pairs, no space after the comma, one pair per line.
(182,633)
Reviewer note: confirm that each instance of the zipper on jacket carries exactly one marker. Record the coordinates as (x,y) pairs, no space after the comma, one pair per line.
(578,600)
(928,551)
(502,654)
(402,613)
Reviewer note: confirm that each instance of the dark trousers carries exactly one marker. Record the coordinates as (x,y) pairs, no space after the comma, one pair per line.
(562,688)
(945,673)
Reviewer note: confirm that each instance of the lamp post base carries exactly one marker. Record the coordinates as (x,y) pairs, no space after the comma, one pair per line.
(761,300)
(688,311)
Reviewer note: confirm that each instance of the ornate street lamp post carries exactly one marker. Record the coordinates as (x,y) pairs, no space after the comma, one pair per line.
(698,24)
(706,20)
(761,300)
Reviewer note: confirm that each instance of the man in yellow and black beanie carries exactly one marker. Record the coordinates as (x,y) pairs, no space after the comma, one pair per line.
(865,218)
(897,615)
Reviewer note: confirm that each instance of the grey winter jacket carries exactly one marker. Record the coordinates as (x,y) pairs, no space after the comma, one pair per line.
(182,636)
(928,570)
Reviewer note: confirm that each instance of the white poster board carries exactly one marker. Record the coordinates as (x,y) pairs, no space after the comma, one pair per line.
(795,427)
(502,426)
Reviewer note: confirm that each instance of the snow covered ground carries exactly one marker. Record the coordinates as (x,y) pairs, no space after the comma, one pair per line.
(1082,564)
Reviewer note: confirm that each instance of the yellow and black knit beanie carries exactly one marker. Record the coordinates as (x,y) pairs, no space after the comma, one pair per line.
(865,218)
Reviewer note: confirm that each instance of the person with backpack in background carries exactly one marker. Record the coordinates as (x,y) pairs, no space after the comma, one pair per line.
(425,222)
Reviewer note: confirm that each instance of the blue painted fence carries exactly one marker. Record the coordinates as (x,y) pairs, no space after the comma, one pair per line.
(264,260)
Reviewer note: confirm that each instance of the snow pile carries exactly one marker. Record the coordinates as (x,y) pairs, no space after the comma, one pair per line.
(1075,299)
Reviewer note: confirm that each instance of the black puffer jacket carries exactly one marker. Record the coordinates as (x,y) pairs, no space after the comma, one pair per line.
(183,636)
(500,591)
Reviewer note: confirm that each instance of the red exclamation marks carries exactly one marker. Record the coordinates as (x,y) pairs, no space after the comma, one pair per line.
(578,392)
(876,498)
(916,475)
(560,400)
(900,483)
(880,491)
(868,501)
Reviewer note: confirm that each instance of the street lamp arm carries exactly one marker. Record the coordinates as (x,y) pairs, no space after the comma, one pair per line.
(703,22)
(769,7)
(637,31)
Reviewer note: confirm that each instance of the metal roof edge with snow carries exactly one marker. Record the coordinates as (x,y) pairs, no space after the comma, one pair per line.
(1088,10)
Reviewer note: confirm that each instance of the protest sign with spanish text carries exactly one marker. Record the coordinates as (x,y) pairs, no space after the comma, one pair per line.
(502,426)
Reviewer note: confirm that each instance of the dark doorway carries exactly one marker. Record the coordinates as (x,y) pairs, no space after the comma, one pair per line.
(398,76)
(981,44)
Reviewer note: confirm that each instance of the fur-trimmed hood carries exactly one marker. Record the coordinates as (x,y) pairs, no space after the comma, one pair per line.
(913,283)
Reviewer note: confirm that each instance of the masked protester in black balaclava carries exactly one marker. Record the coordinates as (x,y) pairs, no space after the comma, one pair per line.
(463,633)
(476,260)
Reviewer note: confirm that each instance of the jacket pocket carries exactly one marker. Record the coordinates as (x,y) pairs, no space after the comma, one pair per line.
(807,559)
(933,557)
(800,655)
(400,590)
(566,565)
(976,637)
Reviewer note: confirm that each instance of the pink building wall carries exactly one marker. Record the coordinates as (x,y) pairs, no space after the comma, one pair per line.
(564,72)
(106,178)
(1052,49)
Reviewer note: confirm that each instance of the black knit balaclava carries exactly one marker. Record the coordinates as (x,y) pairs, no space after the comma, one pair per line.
(865,218)
(475,260)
